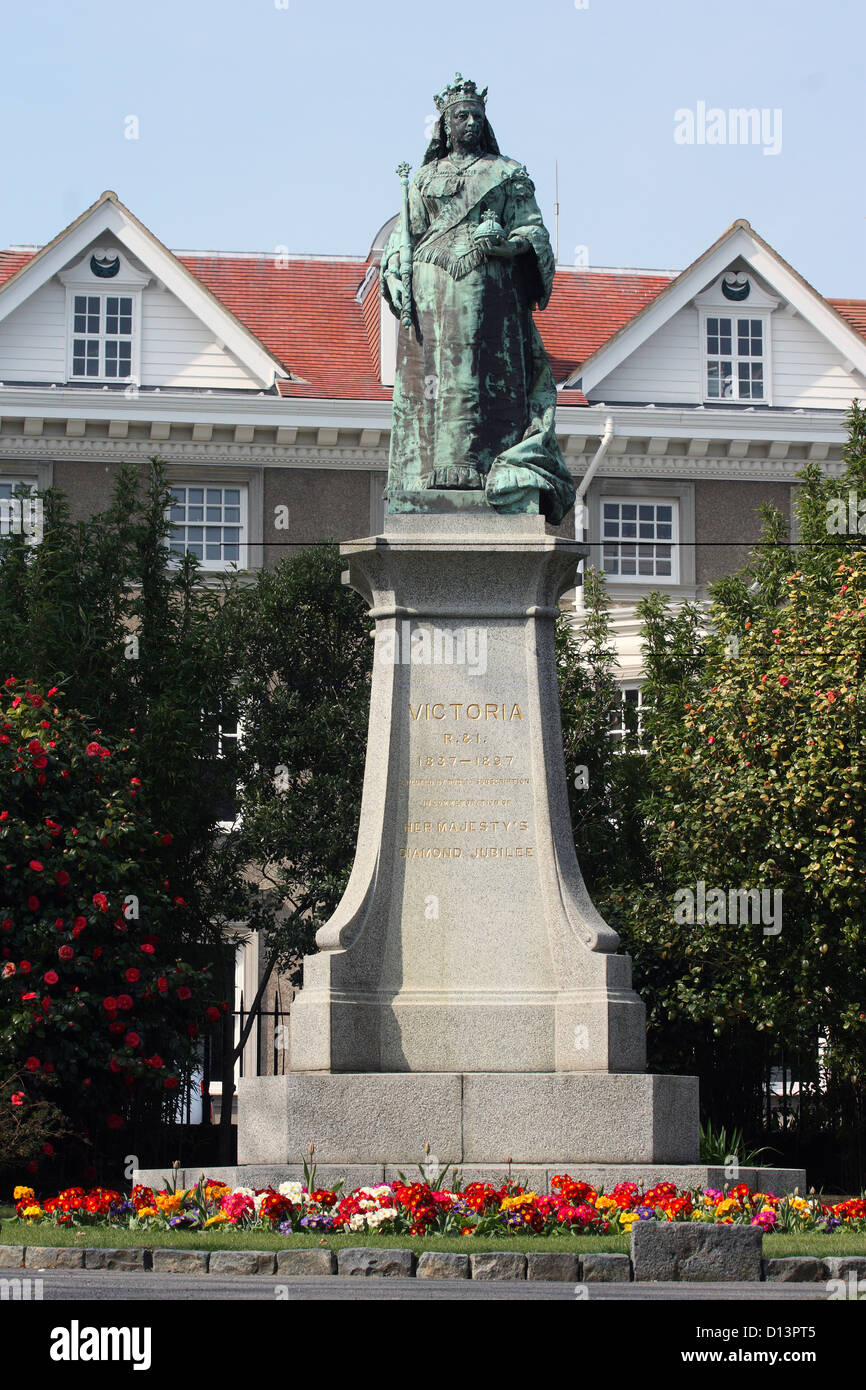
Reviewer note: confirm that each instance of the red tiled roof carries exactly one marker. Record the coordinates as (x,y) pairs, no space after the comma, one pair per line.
(854,310)
(306,314)
(10,261)
(587,307)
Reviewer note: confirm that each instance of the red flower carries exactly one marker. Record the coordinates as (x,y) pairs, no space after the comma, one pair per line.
(24,967)
(36,866)
(124,1001)
(76,930)
(48,1066)
(213,1013)
(147,948)
(184,992)
(32,1064)
(18,1098)
(115,1122)
(170,1083)
(784,680)
(61,878)
(165,840)
(192,1029)
(101,901)
(80,923)
(133,975)
(109,1003)
(33,903)
(162,984)
(132,1040)
(48,1149)
(93,750)
(66,953)
(155,1061)
(51,977)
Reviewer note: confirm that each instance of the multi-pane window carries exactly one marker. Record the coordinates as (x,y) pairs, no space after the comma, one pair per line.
(20,512)
(639,540)
(102,336)
(627,718)
(209,522)
(735,358)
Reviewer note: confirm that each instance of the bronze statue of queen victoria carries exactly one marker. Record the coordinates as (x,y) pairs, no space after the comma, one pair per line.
(469,260)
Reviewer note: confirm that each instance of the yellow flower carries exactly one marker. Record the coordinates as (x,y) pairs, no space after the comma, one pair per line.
(21,1194)
(168,1202)
(147,1211)
(32,1211)
(605,1203)
(628,1218)
(214,1220)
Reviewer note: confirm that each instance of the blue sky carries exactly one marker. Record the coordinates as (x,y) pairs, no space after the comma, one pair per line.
(271,123)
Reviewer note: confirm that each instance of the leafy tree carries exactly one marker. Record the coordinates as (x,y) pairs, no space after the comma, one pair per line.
(755,777)
(105,985)
(135,642)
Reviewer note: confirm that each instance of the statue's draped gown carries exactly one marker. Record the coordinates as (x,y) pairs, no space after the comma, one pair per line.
(475,398)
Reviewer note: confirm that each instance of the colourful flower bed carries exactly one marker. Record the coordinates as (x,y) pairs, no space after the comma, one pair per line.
(417,1209)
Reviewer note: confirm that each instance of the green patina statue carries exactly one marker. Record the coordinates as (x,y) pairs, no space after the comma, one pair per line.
(469,259)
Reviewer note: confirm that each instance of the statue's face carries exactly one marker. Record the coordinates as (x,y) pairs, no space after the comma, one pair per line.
(465,122)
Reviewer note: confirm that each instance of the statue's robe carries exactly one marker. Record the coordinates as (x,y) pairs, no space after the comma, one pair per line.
(475,398)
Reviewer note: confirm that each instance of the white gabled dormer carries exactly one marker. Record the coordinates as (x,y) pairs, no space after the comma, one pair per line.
(105,302)
(735,338)
(738,327)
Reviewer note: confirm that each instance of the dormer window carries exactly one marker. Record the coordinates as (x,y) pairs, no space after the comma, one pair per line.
(103,307)
(102,336)
(735,315)
(735,358)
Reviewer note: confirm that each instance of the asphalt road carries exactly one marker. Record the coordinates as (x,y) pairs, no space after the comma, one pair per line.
(75,1286)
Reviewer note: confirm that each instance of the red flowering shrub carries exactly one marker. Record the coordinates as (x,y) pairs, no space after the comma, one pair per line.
(87,911)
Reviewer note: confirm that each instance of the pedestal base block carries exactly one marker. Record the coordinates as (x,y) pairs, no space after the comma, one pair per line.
(478,1119)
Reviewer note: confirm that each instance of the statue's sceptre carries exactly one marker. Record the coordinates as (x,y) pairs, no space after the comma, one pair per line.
(405,248)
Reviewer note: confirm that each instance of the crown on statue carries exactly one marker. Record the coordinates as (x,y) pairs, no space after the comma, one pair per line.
(461,89)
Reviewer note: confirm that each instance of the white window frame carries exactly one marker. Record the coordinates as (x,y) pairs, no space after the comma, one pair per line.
(648,580)
(217,566)
(12,482)
(619,731)
(229,825)
(735,312)
(102,378)
(118,292)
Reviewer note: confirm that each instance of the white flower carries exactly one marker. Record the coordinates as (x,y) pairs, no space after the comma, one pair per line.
(243,1192)
(357,1222)
(293,1190)
(377,1218)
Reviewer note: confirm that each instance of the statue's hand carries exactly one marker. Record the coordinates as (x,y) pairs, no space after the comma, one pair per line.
(507,250)
(395,290)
